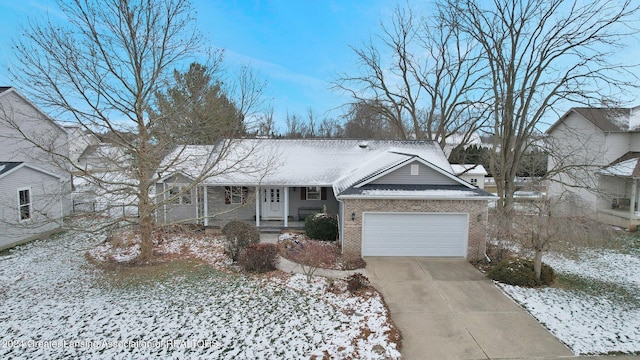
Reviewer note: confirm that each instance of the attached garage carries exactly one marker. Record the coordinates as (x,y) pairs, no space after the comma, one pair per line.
(415,234)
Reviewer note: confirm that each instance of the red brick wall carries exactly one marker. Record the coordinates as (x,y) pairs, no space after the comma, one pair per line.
(477,210)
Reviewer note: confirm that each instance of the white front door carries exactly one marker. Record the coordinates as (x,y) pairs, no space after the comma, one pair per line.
(272,203)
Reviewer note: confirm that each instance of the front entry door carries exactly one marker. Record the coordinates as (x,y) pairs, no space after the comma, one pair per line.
(272,203)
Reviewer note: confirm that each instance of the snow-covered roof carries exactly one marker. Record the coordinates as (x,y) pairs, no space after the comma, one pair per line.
(7,168)
(627,168)
(468,169)
(296,162)
(432,192)
(606,119)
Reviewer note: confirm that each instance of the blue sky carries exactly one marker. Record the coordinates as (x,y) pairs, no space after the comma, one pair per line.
(298,46)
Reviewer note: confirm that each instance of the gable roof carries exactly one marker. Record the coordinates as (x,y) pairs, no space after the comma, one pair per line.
(5,90)
(298,162)
(7,168)
(468,169)
(606,119)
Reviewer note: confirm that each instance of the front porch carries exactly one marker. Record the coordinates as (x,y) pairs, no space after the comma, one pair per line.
(269,207)
(266,226)
(622,218)
(618,201)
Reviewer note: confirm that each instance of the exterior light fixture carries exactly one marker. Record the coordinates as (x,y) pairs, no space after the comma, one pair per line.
(353,216)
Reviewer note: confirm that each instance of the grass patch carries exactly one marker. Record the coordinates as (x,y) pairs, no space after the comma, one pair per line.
(629,243)
(181,270)
(598,288)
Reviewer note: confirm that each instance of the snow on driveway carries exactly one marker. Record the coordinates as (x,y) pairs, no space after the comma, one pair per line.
(54,304)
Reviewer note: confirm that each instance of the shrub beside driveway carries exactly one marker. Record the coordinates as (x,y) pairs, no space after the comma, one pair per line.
(594,308)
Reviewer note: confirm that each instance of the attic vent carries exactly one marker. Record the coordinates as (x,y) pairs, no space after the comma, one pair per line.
(363,145)
(415,169)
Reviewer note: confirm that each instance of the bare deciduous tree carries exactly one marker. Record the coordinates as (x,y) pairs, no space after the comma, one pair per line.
(422,79)
(100,66)
(541,54)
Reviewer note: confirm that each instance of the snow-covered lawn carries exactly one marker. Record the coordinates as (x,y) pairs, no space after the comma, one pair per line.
(600,315)
(55,304)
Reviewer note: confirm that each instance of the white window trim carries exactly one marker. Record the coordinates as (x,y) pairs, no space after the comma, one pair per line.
(29,204)
(237,192)
(317,194)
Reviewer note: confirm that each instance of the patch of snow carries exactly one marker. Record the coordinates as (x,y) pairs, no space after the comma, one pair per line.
(588,324)
(436,193)
(54,304)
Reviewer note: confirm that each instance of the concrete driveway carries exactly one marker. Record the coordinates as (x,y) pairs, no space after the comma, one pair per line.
(447,309)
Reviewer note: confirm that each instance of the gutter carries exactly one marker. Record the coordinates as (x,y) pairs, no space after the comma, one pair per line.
(415,197)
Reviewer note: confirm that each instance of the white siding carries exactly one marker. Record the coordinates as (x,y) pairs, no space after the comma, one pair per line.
(15,111)
(45,192)
(578,141)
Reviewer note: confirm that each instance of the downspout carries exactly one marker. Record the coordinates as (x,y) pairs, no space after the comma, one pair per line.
(258,191)
(340,220)
(632,203)
(164,202)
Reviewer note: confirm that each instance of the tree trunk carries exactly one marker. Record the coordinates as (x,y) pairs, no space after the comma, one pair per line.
(146,227)
(537,262)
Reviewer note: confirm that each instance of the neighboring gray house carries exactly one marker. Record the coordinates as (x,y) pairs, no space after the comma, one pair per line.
(30,202)
(597,149)
(31,179)
(392,198)
(19,118)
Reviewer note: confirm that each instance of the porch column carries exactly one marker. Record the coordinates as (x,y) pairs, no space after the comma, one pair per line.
(195,189)
(164,202)
(257,206)
(206,205)
(632,201)
(286,206)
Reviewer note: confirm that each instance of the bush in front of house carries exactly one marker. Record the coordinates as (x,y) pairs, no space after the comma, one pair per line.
(259,258)
(238,235)
(520,272)
(321,226)
(357,282)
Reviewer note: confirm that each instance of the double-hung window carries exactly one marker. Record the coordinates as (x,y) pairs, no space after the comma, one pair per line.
(24,204)
(313,193)
(180,194)
(235,195)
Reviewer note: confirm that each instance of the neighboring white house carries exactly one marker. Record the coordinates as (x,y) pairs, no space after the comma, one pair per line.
(589,145)
(30,202)
(79,141)
(34,183)
(471,173)
(455,140)
(392,198)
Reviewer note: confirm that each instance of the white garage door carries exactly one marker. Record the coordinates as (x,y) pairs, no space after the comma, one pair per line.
(414,234)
